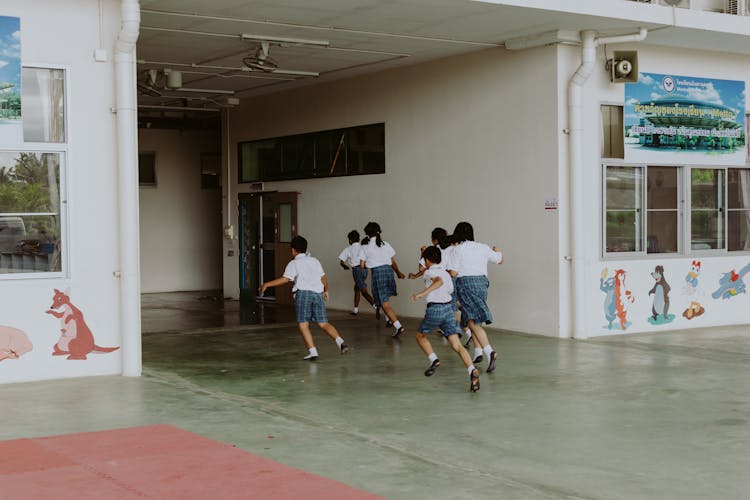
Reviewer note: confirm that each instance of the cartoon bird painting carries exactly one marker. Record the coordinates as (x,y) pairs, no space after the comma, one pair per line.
(690,289)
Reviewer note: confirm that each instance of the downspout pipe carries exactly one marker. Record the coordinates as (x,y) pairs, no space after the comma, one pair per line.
(127,168)
(572,289)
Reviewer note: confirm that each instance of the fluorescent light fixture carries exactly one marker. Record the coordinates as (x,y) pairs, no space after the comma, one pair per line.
(205,91)
(280,39)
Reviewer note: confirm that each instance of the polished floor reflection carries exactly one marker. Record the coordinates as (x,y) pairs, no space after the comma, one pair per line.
(645,416)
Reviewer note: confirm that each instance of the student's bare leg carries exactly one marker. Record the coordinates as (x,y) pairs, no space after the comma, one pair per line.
(368,297)
(455,344)
(424,344)
(329,329)
(479,336)
(388,310)
(304,330)
(356,296)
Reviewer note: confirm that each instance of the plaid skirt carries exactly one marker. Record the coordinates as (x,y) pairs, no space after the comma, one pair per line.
(310,306)
(383,284)
(472,292)
(439,316)
(360,275)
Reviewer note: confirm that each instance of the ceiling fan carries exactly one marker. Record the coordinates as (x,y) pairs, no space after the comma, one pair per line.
(260,60)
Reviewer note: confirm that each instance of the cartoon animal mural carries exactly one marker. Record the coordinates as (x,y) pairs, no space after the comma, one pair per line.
(13,343)
(616,298)
(731,284)
(76,339)
(690,289)
(660,291)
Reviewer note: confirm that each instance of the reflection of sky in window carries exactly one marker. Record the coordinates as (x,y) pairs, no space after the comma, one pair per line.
(10,51)
(729,93)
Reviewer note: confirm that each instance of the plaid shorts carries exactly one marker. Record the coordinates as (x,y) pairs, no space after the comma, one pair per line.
(360,277)
(310,306)
(472,292)
(383,284)
(439,316)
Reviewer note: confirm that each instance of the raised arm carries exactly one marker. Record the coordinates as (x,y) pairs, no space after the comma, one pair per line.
(437,282)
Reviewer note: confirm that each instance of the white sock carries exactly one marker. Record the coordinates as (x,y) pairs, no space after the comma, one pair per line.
(355,310)
(397,325)
(313,353)
(432,357)
(477,351)
(468,333)
(471,369)
(375,306)
(488,350)
(339,341)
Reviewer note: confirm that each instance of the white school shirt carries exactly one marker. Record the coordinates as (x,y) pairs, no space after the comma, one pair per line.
(472,258)
(449,258)
(375,256)
(306,273)
(442,256)
(352,254)
(443,293)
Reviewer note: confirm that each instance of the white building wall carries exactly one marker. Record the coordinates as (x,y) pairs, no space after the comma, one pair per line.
(469,138)
(66,34)
(638,279)
(180,222)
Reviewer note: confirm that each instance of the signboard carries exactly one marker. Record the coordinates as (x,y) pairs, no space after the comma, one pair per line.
(684,120)
(10,70)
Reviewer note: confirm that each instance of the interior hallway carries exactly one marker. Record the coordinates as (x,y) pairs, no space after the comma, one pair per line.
(644,416)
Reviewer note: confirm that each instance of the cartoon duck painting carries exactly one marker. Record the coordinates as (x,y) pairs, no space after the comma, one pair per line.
(690,289)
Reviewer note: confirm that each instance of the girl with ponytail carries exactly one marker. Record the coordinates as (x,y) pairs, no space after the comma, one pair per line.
(377,255)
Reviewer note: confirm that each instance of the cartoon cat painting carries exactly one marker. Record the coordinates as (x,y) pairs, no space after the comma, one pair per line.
(13,343)
(76,339)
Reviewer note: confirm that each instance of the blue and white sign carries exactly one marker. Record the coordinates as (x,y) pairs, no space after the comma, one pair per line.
(685,120)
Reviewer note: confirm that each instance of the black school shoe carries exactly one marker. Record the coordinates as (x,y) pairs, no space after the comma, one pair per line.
(310,358)
(429,371)
(345,348)
(491,366)
(478,359)
(474,380)
(399,331)
(377,313)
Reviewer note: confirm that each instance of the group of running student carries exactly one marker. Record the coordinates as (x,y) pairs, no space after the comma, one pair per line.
(455,272)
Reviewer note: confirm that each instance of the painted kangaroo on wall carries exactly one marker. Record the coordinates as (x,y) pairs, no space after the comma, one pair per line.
(76,339)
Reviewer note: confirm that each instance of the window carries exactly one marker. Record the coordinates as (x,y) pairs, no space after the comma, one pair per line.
(30,212)
(613,143)
(330,153)
(147,169)
(718,218)
(43,104)
(707,209)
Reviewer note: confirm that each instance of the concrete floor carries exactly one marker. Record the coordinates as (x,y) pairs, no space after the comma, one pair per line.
(644,416)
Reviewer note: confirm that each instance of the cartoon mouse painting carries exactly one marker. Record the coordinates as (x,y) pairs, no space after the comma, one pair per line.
(76,339)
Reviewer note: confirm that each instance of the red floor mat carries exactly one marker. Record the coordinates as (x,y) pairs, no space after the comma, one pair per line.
(158,461)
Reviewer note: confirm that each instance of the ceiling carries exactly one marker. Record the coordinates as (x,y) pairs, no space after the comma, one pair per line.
(331,39)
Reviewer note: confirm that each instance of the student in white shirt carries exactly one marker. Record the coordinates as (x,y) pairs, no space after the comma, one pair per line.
(310,291)
(472,283)
(439,238)
(377,255)
(351,257)
(439,314)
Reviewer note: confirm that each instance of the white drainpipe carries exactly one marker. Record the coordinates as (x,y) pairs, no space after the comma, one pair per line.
(572,301)
(127,166)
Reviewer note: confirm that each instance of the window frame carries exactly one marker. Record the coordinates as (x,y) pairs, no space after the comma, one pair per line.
(66,151)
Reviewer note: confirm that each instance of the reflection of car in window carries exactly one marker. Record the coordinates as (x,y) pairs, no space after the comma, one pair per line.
(12,229)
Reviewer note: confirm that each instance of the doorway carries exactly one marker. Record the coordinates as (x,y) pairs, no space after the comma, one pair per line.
(268,222)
